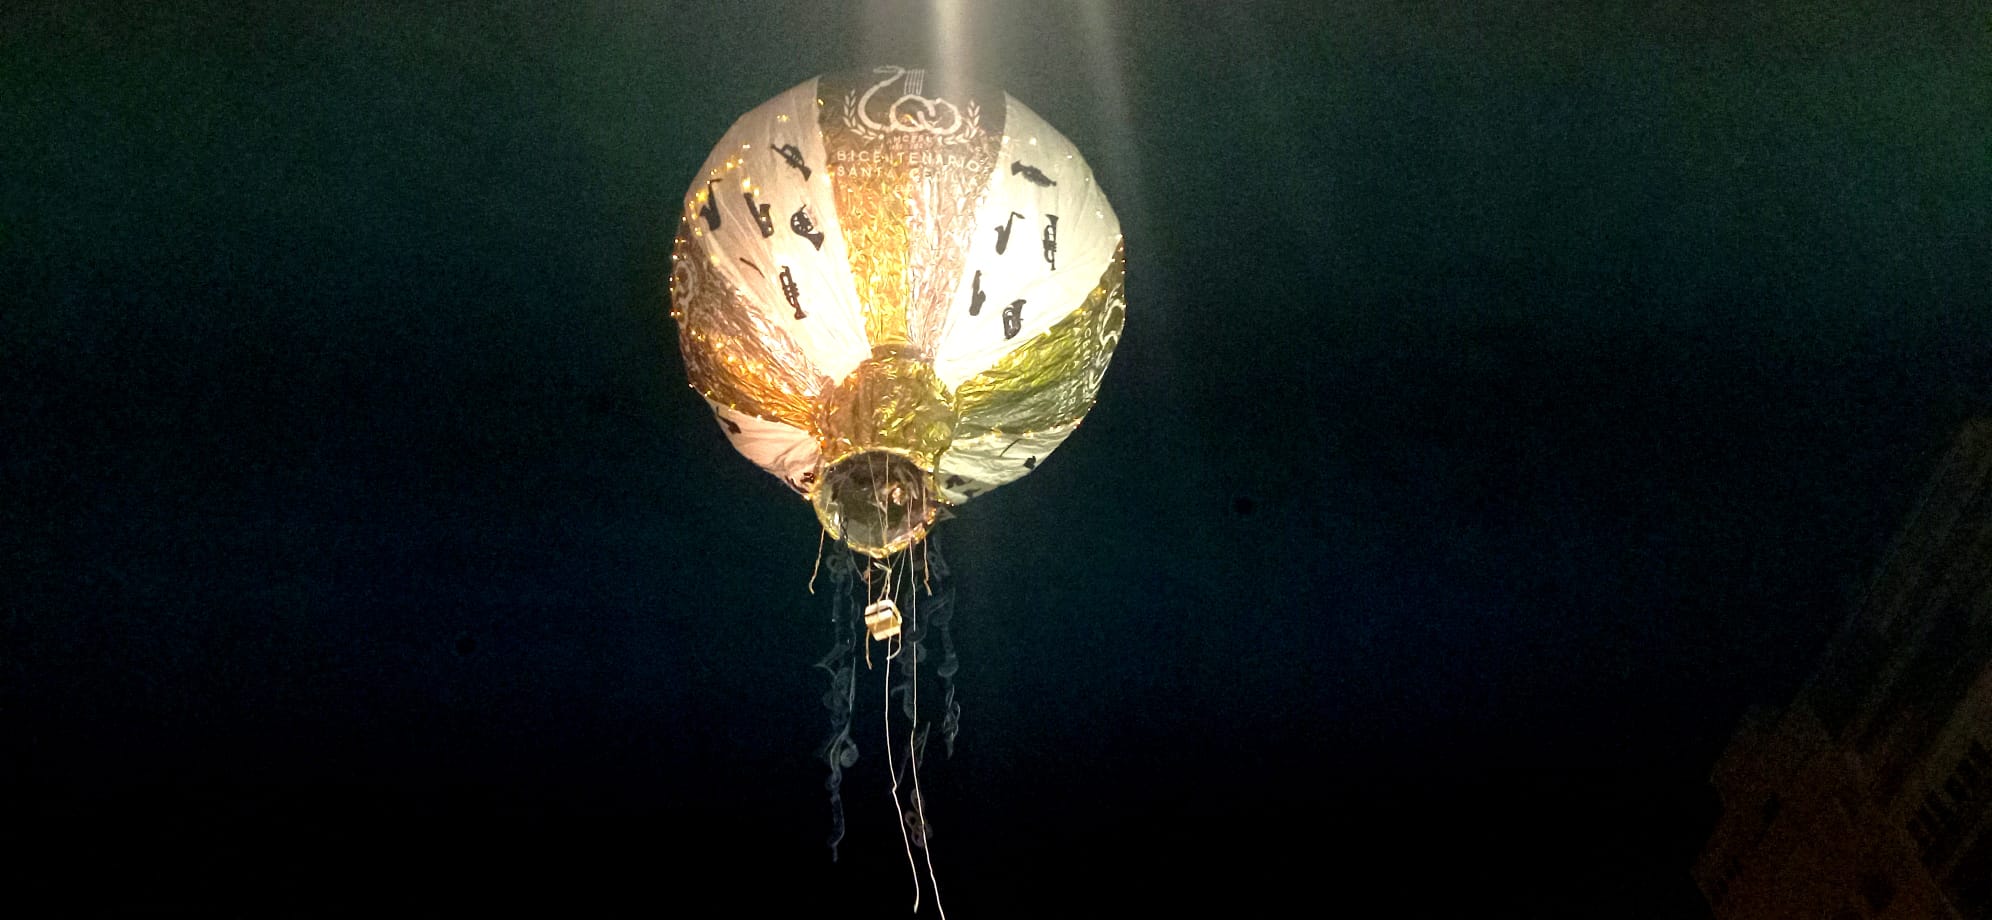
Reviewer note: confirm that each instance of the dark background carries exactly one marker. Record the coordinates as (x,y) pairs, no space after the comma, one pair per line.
(1512,393)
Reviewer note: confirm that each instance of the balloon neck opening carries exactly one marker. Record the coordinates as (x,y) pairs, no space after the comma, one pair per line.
(878,502)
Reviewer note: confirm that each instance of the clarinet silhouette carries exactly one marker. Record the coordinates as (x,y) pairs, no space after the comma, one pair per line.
(1013,318)
(793,155)
(1051,240)
(802,226)
(760,213)
(710,210)
(1003,233)
(793,293)
(1031,174)
(975,303)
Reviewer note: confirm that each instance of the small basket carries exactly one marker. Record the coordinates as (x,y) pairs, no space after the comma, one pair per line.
(882,619)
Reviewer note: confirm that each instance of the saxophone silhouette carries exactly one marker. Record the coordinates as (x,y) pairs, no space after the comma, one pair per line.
(1003,233)
(710,210)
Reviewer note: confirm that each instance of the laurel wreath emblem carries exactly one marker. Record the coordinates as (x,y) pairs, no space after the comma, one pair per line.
(970,128)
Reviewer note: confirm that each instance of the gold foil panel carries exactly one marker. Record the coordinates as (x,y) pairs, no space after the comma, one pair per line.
(733,354)
(1052,379)
(891,402)
(907,171)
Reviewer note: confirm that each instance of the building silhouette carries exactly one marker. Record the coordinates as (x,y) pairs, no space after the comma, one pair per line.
(1870,796)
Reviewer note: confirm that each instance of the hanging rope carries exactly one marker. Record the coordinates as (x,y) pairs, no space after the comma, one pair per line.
(916,588)
(840,750)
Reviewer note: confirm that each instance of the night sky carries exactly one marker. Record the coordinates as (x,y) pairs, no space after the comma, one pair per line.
(1512,393)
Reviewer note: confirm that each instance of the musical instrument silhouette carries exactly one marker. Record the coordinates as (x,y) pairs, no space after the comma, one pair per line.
(1031,174)
(1051,240)
(1003,233)
(710,210)
(975,302)
(793,293)
(760,213)
(793,155)
(1013,318)
(802,226)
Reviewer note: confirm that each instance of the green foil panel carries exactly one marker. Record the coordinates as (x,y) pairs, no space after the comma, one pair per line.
(1052,379)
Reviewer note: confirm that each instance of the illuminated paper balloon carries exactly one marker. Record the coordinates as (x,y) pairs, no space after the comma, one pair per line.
(896,296)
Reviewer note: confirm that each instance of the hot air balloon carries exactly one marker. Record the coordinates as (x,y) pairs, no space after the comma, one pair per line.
(896,301)
(896,293)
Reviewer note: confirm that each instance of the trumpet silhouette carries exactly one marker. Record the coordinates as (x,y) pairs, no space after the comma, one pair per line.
(794,158)
(1051,241)
(1031,174)
(793,293)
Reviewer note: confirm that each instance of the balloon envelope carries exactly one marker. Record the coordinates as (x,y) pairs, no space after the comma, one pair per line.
(896,294)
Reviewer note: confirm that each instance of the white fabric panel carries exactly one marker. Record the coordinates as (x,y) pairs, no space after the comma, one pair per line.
(787,452)
(833,335)
(972,467)
(1087,235)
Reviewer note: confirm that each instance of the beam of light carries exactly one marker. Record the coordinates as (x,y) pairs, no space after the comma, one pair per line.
(1111,91)
(1120,155)
(953,52)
